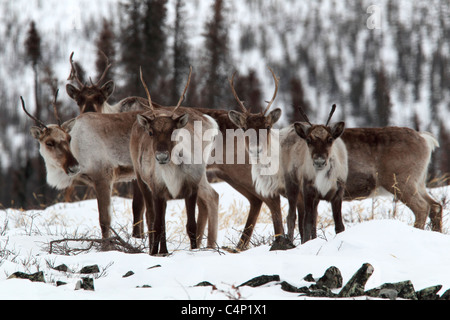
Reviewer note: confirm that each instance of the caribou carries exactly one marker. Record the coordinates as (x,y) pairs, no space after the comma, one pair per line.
(322,157)
(164,174)
(93,149)
(236,175)
(94,97)
(392,159)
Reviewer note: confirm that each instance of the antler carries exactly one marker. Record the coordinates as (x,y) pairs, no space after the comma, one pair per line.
(108,66)
(275,93)
(241,104)
(184,92)
(304,115)
(39,122)
(150,104)
(333,108)
(73,72)
(55,110)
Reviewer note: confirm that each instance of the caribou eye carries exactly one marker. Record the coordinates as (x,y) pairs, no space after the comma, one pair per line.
(150,133)
(308,140)
(330,140)
(50,144)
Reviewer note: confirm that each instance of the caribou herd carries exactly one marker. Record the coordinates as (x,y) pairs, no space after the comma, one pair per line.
(167,151)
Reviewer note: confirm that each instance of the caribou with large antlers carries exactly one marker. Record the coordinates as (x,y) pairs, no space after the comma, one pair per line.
(373,164)
(94,97)
(164,174)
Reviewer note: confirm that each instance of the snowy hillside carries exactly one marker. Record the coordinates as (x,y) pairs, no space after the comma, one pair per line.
(397,252)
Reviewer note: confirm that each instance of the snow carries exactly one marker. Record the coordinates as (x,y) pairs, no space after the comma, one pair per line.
(396,250)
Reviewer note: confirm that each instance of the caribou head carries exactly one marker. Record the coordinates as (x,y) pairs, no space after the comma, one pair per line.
(319,138)
(260,122)
(54,142)
(93,97)
(160,126)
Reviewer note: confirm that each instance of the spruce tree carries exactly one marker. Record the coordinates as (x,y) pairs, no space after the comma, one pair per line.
(215,91)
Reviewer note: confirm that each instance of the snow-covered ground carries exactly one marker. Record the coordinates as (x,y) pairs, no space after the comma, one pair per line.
(378,232)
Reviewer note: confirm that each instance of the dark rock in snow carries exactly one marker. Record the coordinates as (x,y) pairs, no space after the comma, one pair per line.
(320,291)
(285,286)
(261,280)
(60,283)
(390,294)
(445,295)
(355,286)
(85,284)
(35,277)
(204,284)
(429,293)
(309,278)
(404,290)
(62,268)
(128,274)
(332,278)
(90,269)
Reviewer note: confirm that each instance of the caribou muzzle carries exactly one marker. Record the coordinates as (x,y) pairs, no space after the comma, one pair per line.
(163,157)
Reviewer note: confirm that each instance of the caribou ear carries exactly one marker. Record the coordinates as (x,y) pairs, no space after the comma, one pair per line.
(36,132)
(182,121)
(108,88)
(72,91)
(274,116)
(68,125)
(237,118)
(302,129)
(337,129)
(143,121)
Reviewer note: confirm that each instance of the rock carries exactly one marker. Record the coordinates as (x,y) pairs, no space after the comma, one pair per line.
(60,283)
(282,243)
(355,286)
(429,293)
(204,284)
(90,269)
(285,286)
(62,268)
(390,294)
(446,295)
(309,278)
(261,280)
(155,266)
(320,291)
(85,284)
(128,274)
(332,278)
(35,277)
(404,290)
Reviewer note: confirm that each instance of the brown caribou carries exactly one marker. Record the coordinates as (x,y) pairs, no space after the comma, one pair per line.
(99,156)
(395,159)
(237,175)
(164,171)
